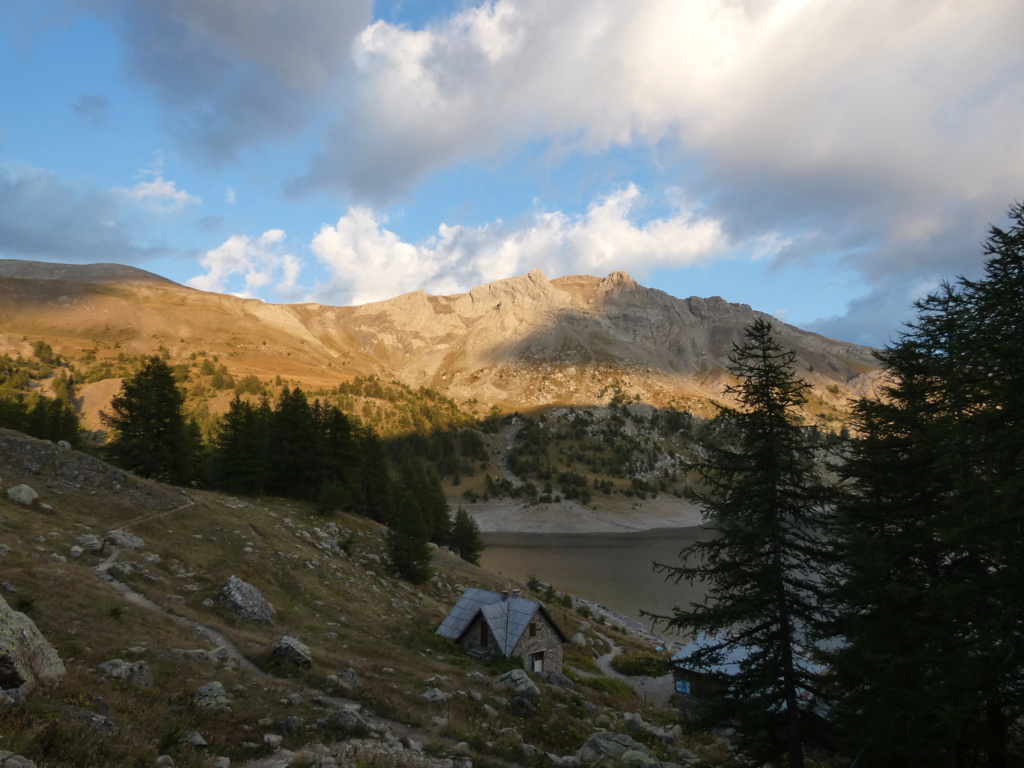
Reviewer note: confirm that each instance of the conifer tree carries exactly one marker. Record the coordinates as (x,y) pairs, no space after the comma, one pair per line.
(147,423)
(767,502)
(408,548)
(240,448)
(933,567)
(466,541)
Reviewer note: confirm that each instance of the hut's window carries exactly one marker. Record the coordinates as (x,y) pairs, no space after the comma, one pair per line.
(533,629)
(682,686)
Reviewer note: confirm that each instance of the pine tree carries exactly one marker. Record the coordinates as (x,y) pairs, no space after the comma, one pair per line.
(147,423)
(767,501)
(466,541)
(933,567)
(293,451)
(408,548)
(240,448)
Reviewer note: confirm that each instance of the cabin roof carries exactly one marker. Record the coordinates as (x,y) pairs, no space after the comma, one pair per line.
(507,617)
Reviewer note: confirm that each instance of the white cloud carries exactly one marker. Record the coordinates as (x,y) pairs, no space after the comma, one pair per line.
(259,261)
(895,93)
(367,262)
(229,196)
(160,196)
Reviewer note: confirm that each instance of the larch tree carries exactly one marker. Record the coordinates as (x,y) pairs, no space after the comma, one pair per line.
(768,502)
(929,593)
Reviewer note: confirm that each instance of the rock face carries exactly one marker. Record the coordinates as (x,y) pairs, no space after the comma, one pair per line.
(245,601)
(26,658)
(291,652)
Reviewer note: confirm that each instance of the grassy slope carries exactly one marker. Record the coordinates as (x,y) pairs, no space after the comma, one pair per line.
(346,607)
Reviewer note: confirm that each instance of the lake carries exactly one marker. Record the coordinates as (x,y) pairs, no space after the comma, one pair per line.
(613,569)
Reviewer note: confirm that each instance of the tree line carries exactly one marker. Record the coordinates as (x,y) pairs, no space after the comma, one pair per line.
(292,448)
(887,588)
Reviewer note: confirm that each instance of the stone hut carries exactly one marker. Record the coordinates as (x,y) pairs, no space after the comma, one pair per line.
(484,622)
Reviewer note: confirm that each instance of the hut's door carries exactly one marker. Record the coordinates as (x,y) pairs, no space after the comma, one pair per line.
(537,661)
(483,633)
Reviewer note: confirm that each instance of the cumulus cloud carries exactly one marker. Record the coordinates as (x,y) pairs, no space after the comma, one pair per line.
(160,196)
(368,262)
(259,262)
(236,72)
(43,217)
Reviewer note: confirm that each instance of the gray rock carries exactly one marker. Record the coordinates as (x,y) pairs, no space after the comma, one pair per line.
(346,719)
(123,540)
(93,721)
(4,550)
(289,725)
(633,722)
(634,758)
(490,711)
(136,673)
(193,739)
(6,586)
(578,639)
(272,740)
(436,695)
(211,696)
(245,601)
(64,445)
(522,706)
(28,659)
(221,762)
(166,760)
(22,494)
(89,542)
(75,551)
(11,760)
(291,652)
(559,680)
(519,684)
(608,749)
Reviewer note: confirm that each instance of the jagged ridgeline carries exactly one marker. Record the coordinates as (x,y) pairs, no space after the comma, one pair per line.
(517,345)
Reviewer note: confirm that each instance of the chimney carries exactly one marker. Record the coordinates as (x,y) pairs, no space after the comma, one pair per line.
(516,592)
(504,595)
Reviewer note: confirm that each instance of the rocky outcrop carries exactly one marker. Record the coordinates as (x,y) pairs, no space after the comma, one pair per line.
(211,696)
(136,673)
(518,683)
(123,540)
(605,748)
(26,658)
(245,601)
(291,652)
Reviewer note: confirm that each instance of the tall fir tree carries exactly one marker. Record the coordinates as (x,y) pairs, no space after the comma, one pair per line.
(767,500)
(240,448)
(408,547)
(933,562)
(466,541)
(149,435)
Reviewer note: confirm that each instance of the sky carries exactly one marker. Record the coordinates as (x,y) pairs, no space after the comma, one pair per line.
(825,161)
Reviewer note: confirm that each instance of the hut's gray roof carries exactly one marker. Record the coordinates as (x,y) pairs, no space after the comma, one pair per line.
(507,617)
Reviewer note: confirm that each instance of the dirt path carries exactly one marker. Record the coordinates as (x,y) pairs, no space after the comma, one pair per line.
(655,690)
(137,598)
(509,433)
(189,501)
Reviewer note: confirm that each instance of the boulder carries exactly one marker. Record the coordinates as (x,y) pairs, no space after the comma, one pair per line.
(436,696)
(519,684)
(245,601)
(89,542)
(522,706)
(136,673)
(11,760)
(123,540)
(211,696)
(559,680)
(291,652)
(22,494)
(93,721)
(578,639)
(605,748)
(26,658)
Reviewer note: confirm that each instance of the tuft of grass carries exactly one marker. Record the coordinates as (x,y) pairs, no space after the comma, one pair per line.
(639,665)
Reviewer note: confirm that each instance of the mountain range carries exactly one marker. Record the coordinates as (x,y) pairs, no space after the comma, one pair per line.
(522,343)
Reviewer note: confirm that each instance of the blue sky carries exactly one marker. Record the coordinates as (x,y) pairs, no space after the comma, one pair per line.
(824,161)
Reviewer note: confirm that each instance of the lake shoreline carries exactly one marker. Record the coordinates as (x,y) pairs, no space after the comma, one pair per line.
(513,516)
